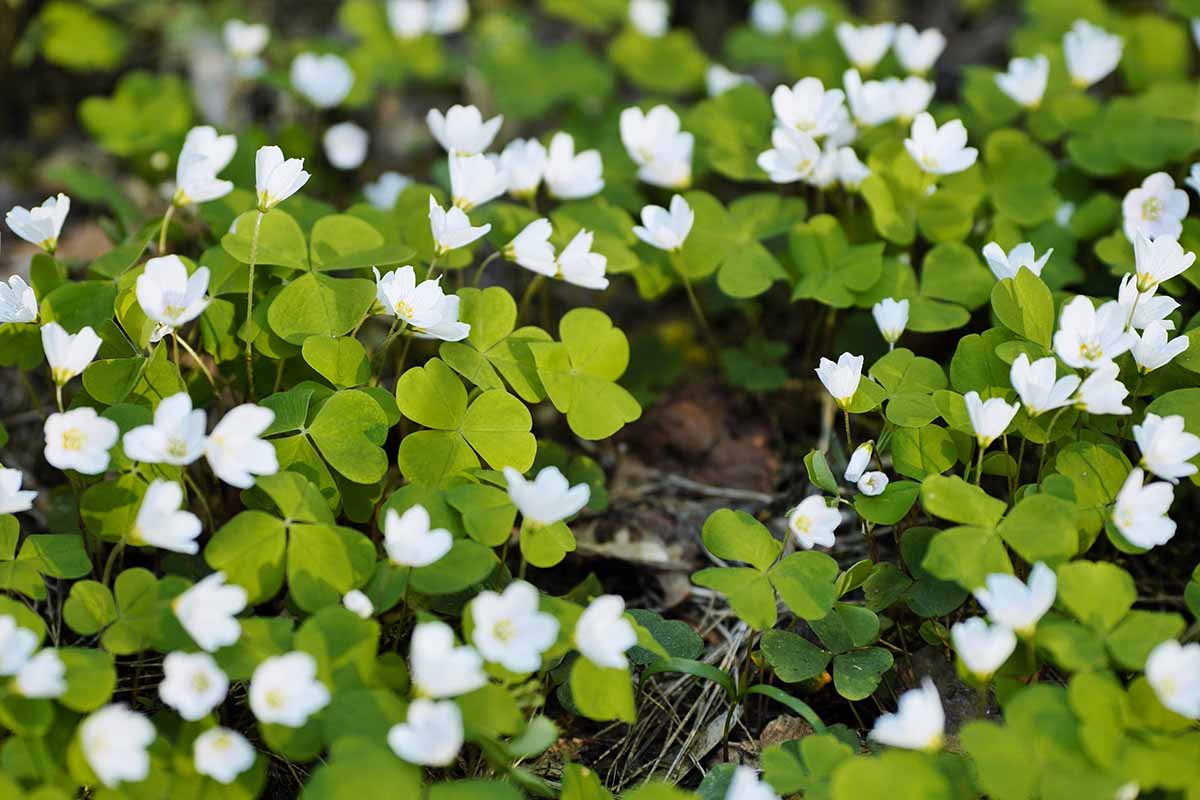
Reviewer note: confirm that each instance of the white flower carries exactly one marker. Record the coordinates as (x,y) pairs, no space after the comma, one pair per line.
(873,483)
(983,648)
(1013,604)
(578,265)
(222,754)
(275,179)
(1063,214)
(940,151)
(452,228)
(1007,265)
(1140,513)
(1037,387)
(16,645)
(1091,53)
(1102,392)
(169,296)
(666,230)
(523,163)
(1193,178)
(474,180)
(918,50)
(1159,259)
(1173,671)
(80,439)
(824,174)
(919,721)
(719,79)
(989,418)
(891,316)
(42,676)
(808,107)
(431,734)
(1153,350)
(1088,337)
(234,450)
(746,785)
(851,171)
(509,628)
(423,306)
(1127,791)
(440,668)
(1166,447)
(358,603)
(12,498)
(409,19)
(176,436)
(1156,210)
(871,102)
(346,145)
(548,498)
(1025,81)
(18,303)
(66,353)
(768,16)
(245,41)
(385,190)
(532,250)
(650,17)
(865,45)
(448,16)
(323,80)
(1146,307)
(859,461)
(841,379)
(40,225)
(207,611)
(204,154)
(284,690)
(813,522)
(792,157)
(192,684)
(602,634)
(461,130)
(410,541)
(656,144)
(808,22)
(570,176)
(114,741)
(161,523)
(912,96)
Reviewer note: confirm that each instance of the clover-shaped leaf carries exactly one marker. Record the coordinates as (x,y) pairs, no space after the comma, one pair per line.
(580,374)
(318,305)
(280,240)
(495,427)
(494,353)
(349,429)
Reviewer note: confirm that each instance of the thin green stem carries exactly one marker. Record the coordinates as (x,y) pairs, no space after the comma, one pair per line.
(162,231)
(181,341)
(199,495)
(697,309)
(250,327)
(1046,444)
(528,294)
(846,420)
(432,272)
(979,465)
(483,266)
(58,395)
(118,548)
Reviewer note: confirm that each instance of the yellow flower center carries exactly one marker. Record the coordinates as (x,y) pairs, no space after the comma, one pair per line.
(802,524)
(504,630)
(73,439)
(1090,351)
(929,162)
(403,309)
(1151,209)
(200,682)
(275,698)
(176,448)
(171,312)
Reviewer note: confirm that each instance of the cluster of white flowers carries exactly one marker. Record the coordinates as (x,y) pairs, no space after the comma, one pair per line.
(410,19)
(656,143)
(1091,54)
(771,18)
(35,673)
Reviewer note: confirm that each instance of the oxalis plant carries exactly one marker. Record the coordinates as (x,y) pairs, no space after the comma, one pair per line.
(310,459)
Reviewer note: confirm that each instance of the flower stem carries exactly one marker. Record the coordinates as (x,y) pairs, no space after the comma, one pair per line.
(697,309)
(250,337)
(180,340)
(433,270)
(1046,444)
(118,548)
(162,231)
(58,395)
(846,420)
(483,266)
(527,296)
(191,484)
(979,465)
